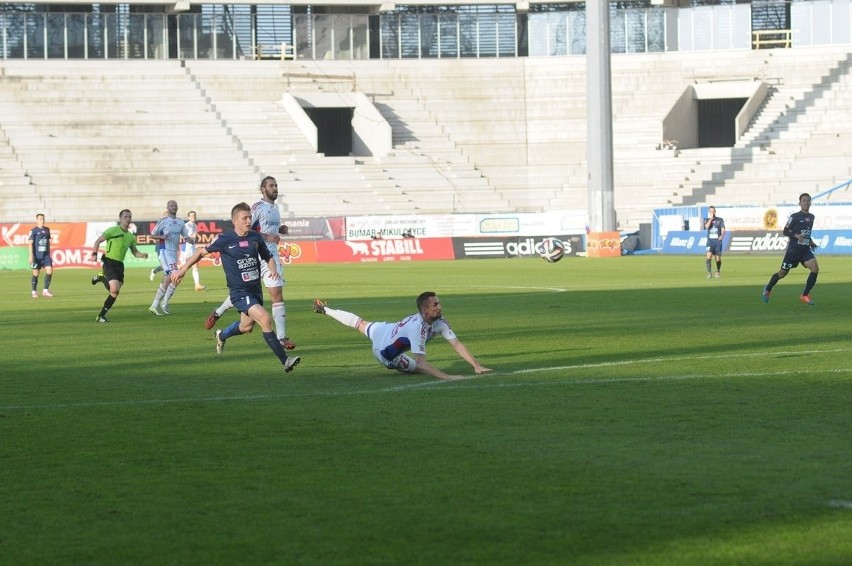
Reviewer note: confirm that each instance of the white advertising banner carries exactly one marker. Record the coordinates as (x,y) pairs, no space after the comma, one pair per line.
(828,216)
(467,225)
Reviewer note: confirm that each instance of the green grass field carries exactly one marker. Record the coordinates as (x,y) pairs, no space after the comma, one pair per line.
(638,414)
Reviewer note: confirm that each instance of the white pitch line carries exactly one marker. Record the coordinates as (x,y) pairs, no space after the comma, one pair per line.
(484,385)
(481,382)
(613,364)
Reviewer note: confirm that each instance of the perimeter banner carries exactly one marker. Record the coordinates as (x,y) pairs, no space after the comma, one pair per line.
(603,244)
(401,249)
(486,248)
(683,242)
(61,234)
(756,242)
(832,242)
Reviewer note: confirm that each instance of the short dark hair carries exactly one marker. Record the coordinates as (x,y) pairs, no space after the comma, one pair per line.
(265,179)
(239,207)
(423,298)
(40,215)
(123,210)
(804,195)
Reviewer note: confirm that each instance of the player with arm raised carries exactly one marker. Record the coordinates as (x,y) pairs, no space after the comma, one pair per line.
(266,220)
(243,252)
(715,227)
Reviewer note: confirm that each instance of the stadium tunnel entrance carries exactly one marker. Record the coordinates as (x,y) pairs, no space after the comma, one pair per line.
(340,124)
(714,114)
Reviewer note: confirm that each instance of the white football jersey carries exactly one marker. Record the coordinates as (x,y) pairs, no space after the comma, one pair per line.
(266,219)
(172,229)
(410,334)
(188,244)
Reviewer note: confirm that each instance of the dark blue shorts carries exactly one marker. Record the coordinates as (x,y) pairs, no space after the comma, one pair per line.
(41,262)
(714,247)
(243,299)
(795,255)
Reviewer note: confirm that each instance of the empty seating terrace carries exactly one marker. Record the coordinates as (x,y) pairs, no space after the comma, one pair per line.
(96,137)
(84,139)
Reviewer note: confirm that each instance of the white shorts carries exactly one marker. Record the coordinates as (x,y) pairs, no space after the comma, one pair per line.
(168,261)
(264,272)
(186,252)
(403,363)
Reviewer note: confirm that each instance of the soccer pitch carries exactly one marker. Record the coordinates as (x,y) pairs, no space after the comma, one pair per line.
(638,413)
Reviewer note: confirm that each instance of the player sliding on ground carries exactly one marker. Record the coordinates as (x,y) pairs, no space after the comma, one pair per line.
(392,339)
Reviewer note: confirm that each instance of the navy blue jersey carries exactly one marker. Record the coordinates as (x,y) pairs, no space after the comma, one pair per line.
(40,238)
(799,223)
(714,230)
(241,257)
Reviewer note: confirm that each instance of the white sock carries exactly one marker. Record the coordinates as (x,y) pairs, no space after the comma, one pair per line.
(158,296)
(169,292)
(224,306)
(195,276)
(279,315)
(343,317)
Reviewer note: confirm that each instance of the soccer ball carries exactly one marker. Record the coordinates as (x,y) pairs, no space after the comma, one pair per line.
(551,250)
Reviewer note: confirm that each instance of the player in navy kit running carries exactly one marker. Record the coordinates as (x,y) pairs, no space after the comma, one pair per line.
(266,221)
(242,253)
(800,248)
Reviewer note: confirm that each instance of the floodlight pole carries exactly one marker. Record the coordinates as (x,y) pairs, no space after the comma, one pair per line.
(601,189)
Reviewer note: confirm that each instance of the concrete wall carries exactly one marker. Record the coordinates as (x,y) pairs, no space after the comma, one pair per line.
(681,123)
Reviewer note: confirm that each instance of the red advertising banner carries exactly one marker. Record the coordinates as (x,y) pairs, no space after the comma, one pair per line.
(297,252)
(403,249)
(71,234)
(69,248)
(72,257)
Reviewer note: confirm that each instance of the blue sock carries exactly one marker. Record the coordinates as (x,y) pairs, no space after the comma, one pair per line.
(232,330)
(275,345)
(809,284)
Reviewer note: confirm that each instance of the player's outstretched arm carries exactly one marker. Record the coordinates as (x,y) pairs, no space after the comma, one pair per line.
(177,276)
(425,367)
(465,354)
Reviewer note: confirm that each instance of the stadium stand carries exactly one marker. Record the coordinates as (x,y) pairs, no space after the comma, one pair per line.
(467,135)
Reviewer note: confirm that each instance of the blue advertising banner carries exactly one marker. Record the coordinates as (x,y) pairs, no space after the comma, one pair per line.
(829,242)
(682,242)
